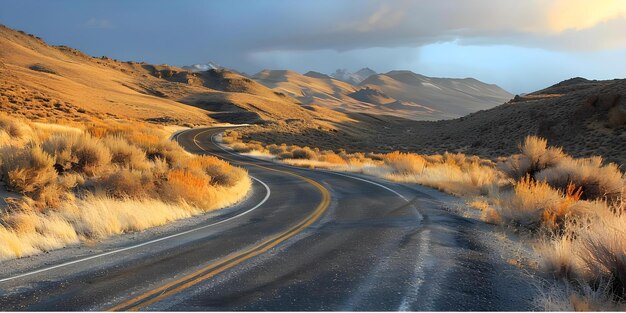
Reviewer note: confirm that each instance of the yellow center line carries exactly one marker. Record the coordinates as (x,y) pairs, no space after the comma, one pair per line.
(213,269)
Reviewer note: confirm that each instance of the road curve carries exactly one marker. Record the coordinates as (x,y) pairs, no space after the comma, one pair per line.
(304,240)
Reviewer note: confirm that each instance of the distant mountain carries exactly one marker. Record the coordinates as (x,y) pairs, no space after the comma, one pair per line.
(353,78)
(312,88)
(452,96)
(316,89)
(364,73)
(202,67)
(400,93)
(315,74)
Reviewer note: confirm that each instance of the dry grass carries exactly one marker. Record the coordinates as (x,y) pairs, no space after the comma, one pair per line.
(457,173)
(94,180)
(571,205)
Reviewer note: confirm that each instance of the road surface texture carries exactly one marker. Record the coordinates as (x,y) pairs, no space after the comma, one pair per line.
(303,240)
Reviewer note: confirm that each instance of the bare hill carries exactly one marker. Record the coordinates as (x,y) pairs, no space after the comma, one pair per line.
(46,82)
(452,97)
(316,89)
(398,93)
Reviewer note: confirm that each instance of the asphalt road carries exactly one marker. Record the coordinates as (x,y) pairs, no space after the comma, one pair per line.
(304,240)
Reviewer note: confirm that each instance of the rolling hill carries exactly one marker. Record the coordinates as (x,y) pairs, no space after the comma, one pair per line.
(44,82)
(320,90)
(584,117)
(52,83)
(399,93)
(452,97)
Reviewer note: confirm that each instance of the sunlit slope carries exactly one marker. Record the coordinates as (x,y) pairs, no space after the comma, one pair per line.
(44,82)
(316,89)
(452,97)
(31,69)
(309,90)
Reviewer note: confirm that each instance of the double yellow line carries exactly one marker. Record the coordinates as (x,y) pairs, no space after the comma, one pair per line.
(215,268)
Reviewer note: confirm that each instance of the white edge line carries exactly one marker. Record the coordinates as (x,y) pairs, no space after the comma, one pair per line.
(267,195)
(325,171)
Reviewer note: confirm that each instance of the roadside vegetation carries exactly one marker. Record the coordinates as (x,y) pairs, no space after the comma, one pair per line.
(572,208)
(83,181)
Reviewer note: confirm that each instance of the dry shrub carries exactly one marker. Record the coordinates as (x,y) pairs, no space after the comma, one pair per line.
(256,146)
(241,147)
(125,154)
(525,206)
(230,137)
(454,174)
(559,170)
(405,163)
(27,169)
(16,129)
(602,250)
(595,179)
(592,257)
(77,152)
(79,184)
(535,156)
(303,153)
(220,172)
(275,149)
(161,149)
(540,155)
(558,258)
(535,204)
(555,217)
(30,172)
(333,158)
(91,156)
(188,186)
(126,183)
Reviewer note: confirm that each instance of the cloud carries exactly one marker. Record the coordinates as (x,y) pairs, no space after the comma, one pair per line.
(383,18)
(98,23)
(582,14)
(578,25)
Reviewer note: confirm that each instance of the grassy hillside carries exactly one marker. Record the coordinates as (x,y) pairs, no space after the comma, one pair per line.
(586,118)
(43,82)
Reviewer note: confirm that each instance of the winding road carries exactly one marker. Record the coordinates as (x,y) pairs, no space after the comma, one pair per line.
(303,240)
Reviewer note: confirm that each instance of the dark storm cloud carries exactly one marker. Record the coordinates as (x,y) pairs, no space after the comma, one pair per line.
(320,34)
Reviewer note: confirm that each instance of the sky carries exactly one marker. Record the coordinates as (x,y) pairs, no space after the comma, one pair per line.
(520,45)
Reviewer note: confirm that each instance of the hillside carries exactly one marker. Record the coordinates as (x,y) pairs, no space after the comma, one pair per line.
(452,97)
(586,118)
(44,82)
(48,83)
(320,90)
(40,81)
(399,93)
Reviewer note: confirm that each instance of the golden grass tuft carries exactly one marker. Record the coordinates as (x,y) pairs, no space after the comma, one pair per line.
(405,163)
